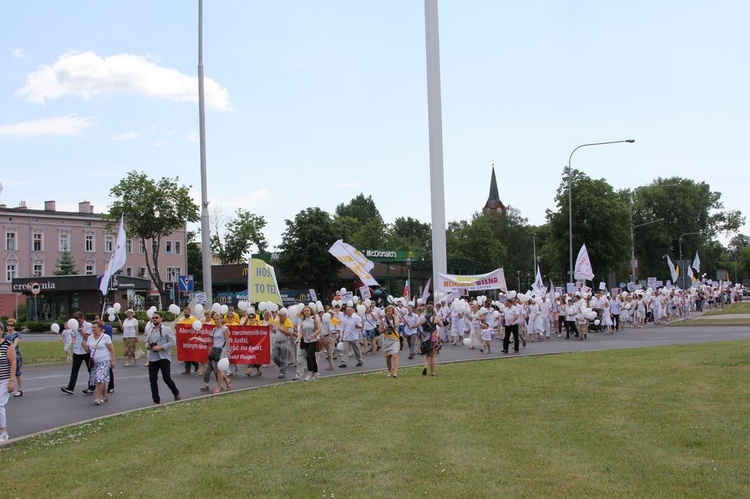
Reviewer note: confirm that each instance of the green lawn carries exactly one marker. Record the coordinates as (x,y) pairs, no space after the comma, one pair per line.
(653,422)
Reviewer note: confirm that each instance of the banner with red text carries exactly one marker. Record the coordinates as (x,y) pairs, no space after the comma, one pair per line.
(492,280)
(250,344)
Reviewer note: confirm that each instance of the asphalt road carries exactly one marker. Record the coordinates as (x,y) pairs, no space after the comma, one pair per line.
(43,406)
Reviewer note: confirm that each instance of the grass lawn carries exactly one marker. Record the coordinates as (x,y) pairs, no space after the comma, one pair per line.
(734,308)
(44,352)
(654,422)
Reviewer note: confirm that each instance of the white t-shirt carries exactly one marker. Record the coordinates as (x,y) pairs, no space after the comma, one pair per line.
(129,328)
(99,350)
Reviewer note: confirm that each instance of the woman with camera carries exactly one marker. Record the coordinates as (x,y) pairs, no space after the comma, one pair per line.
(102,354)
(391,341)
(430,338)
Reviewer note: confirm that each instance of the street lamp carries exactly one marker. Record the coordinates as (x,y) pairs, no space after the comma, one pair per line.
(570,194)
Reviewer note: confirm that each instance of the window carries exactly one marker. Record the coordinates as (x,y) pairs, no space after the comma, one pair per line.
(10,271)
(37,243)
(64,241)
(109,243)
(11,243)
(128,246)
(177,248)
(129,271)
(89,246)
(90,269)
(173,273)
(38,269)
(141,271)
(141,247)
(168,247)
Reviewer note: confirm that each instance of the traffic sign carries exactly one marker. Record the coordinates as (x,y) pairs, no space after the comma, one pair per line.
(186,283)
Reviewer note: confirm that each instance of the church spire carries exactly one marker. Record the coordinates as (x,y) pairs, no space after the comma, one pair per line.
(493,201)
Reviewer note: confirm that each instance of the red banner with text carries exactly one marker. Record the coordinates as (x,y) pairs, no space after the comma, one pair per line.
(250,344)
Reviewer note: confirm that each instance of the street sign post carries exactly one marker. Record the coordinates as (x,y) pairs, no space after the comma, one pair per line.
(185,283)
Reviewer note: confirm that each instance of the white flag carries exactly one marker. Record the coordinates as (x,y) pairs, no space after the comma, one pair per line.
(583,268)
(426,292)
(675,271)
(349,256)
(538,283)
(697,263)
(118,259)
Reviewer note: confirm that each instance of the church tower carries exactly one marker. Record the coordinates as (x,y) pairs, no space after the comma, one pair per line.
(493,201)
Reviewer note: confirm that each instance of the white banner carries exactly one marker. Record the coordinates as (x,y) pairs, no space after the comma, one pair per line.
(492,280)
(355,260)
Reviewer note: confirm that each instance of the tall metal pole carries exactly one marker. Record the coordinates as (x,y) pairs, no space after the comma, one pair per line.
(435,122)
(570,196)
(205,226)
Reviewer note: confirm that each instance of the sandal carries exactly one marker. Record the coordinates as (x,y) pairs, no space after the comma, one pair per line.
(217,390)
(97,402)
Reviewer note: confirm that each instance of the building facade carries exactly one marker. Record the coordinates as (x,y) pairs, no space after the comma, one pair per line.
(34,240)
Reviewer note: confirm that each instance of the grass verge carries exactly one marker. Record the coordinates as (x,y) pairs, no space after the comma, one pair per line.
(654,422)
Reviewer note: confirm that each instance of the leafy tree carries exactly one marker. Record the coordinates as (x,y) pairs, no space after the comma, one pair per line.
(304,256)
(232,240)
(510,228)
(65,265)
(194,260)
(360,208)
(409,234)
(476,241)
(600,220)
(152,210)
(683,207)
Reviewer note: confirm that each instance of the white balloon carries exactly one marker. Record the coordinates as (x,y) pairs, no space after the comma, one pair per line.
(274,307)
(216,307)
(356,299)
(197,325)
(326,317)
(111,318)
(467,342)
(343,290)
(340,346)
(250,309)
(117,307)
(153,308)
(262,306)
(482,311)
(110,311)
(73,324)
(361,309)
(350,303)
(55,327)
(175,309)
(242,305)
(198,310)
(224,309)
(512,294)
(367,302)
(150,313)
(223,364)
(320,307)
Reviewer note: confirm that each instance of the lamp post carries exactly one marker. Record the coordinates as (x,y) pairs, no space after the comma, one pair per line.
(632,245)
(570,194)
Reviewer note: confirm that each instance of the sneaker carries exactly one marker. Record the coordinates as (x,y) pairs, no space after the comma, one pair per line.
(342,365)
(111,390)
(206,388)
(308,377)
(282,376)
(67,390)
(87,391)
(359,363)
(4,437)
(178,397)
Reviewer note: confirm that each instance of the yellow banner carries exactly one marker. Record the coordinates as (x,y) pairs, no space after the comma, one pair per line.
(261,283)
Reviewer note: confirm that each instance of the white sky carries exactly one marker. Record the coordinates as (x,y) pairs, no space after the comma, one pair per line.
(311,103)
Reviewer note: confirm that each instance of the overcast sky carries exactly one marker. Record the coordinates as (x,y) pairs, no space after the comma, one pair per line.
(311,103)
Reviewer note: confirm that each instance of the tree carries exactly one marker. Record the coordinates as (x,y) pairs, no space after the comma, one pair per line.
(360,224)
(152,210)
(304,256)
(689,212)
(194,260)
(601,220)
(409,234)
(232,239)
(65,265)
(476,241)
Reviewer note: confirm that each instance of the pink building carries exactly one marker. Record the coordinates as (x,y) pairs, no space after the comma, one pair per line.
(34,240)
